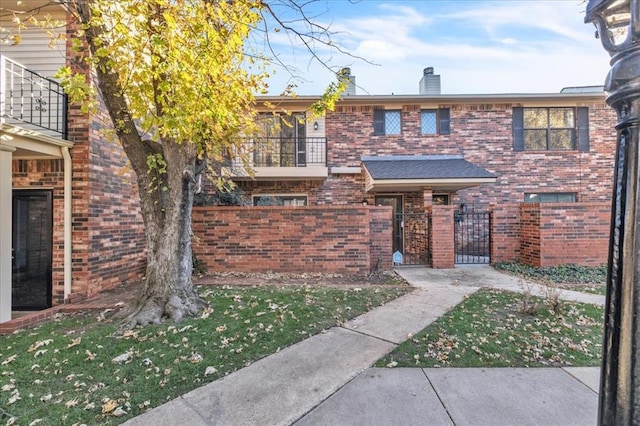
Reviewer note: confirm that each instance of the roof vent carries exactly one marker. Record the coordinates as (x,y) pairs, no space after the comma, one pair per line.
(430,83)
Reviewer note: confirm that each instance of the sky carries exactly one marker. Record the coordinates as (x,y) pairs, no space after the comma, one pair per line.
(476,46)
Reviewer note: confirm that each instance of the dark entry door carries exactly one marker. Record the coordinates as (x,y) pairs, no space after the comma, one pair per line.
(32,250)
(395,201)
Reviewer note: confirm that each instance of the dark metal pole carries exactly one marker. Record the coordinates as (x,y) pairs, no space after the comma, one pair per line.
(619,404)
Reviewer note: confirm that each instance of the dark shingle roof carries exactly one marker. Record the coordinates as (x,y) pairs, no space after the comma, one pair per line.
(423,167)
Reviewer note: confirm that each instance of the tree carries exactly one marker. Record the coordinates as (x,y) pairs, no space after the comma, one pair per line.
(178,81)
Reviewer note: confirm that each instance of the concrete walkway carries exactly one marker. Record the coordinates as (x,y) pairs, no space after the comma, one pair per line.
(327,379)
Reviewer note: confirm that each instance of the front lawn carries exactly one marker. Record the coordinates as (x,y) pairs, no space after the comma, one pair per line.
(74,371)
(494,328)
(569,277)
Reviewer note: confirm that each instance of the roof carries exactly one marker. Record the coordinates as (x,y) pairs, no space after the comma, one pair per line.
(569,97)
(414,172)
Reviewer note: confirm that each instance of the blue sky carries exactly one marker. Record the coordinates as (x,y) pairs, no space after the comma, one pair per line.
(504,46)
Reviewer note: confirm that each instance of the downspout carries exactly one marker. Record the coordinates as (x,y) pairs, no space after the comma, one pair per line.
(67,221)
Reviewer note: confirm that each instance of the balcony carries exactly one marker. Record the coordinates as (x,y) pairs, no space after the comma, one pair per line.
(31,102)
(285,158)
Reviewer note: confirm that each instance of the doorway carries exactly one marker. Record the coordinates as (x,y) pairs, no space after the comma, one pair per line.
(32,244)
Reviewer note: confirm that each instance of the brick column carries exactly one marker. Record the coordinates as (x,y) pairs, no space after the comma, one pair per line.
(427,197)
(442,237)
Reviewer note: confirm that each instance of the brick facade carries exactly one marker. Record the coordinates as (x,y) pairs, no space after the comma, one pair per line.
(108,242)
(341,240)
(482,133)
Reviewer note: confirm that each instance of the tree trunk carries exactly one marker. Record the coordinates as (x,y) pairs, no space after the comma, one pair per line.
(166,202)
(169,289)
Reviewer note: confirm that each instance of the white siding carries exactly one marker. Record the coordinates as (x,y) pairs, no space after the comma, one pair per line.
(34,52)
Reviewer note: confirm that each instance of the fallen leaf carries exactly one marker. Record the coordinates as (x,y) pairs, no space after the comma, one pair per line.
(9,360)
(40,352)
(119,412)
(74,342)
(71,403)
(109,406)
(125,357)
(210,370)
(39,344)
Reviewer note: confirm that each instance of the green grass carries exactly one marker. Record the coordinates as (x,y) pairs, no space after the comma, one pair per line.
(570,277)
(73,370)
(489,329)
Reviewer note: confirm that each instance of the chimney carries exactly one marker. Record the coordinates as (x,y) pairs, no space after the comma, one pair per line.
(429,83)
(345,73)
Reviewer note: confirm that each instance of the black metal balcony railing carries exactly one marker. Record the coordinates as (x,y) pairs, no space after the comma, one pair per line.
(289,152)
(32,101)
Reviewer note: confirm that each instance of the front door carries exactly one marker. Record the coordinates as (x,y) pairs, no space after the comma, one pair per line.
(395,201)
(32,250)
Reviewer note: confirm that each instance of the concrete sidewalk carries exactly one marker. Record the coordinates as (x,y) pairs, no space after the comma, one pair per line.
(327,378)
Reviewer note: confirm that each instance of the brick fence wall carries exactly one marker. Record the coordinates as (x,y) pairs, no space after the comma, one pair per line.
(551,234)
(349,240)
(554,234)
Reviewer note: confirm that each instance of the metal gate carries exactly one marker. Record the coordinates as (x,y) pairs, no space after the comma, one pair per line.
(472,237)
(411,237)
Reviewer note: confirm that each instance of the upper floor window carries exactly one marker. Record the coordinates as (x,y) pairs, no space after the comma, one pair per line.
(550,129)
(435,121)
(550,197)
(387,122)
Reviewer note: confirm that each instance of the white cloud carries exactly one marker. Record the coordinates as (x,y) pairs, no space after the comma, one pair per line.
(479,47)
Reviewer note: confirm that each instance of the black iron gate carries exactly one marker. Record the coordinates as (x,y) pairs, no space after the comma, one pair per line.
(472,236)
(411,239)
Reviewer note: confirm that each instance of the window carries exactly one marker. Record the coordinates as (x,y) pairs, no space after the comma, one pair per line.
(440,199)
(387,122)
(280,141)
(279,200)
(551,129)
(434,121)
(550,197)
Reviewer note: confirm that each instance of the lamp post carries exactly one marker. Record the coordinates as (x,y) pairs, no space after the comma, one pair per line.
(618,25)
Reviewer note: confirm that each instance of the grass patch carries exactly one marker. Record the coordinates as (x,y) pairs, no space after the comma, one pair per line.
(73,370)
(570,277)
(489,329)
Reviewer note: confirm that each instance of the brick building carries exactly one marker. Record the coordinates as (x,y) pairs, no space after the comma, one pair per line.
(474,153)
(69,219)
(70,225)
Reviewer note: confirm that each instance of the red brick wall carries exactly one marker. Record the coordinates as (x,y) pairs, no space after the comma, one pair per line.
(530,242)
(555,233)
(380,234)
(505,233)
(116,240)
(344,240)
(442,239)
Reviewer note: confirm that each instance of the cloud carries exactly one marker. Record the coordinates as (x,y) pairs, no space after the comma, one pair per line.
(476,47)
